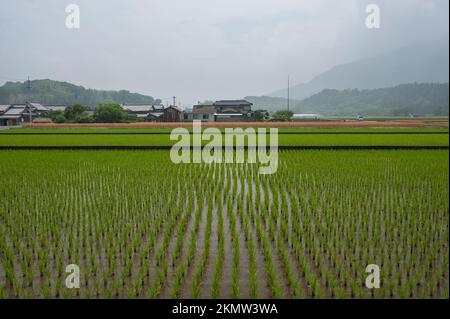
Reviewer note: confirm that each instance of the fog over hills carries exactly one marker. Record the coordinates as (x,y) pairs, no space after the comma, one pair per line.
(400,100)
(406,65)
(416,98)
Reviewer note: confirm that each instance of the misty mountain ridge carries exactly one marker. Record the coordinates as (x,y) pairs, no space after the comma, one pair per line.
(56,92)
(406,65)
(401,100)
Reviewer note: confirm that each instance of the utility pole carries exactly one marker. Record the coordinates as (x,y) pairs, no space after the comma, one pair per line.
(174,99)
(27,103)
(288,94)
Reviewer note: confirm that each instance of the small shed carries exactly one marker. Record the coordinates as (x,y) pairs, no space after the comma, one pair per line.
(172,114)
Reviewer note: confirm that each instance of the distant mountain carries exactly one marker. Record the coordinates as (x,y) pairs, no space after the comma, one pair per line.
(268,103)
(420,99)
(408,65)
(55,92)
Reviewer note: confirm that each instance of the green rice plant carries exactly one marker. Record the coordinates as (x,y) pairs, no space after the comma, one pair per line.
(220,254)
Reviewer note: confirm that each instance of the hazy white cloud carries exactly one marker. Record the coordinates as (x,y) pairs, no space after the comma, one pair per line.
(204,49)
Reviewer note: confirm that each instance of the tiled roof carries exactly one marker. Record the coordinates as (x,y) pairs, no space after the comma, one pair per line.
(3,108)
(142,108)
(155,114)
(231,103)
(38,107)
(175,108)
(16,110)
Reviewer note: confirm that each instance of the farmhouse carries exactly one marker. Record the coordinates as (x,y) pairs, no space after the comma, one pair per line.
(232,110)
(141,110)
(223,111)
(17,114)
(154,113)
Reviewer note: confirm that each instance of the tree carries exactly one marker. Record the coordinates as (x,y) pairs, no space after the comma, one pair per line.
(283,115)
(73,111)
(109,113)
(57,116)
(84,119)
(260,115)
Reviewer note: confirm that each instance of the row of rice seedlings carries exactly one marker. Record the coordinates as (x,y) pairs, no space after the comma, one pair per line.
(246,199)
(263,240)
(199,271)
(161,255)
(235,240)
(182,268)
(218,266)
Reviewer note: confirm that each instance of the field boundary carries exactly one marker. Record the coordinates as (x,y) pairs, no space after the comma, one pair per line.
(284,147)
(279,132)
(393,123)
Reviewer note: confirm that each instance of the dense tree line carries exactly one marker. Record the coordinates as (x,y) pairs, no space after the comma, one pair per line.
(104,113)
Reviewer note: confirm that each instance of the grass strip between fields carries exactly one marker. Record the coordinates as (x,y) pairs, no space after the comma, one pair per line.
(163,141)
(162,147)
(162,131)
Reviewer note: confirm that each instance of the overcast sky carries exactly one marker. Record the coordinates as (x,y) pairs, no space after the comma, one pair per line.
(204,49)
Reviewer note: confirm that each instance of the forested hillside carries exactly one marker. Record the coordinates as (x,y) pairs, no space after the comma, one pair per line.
(420,99)
(55,92)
